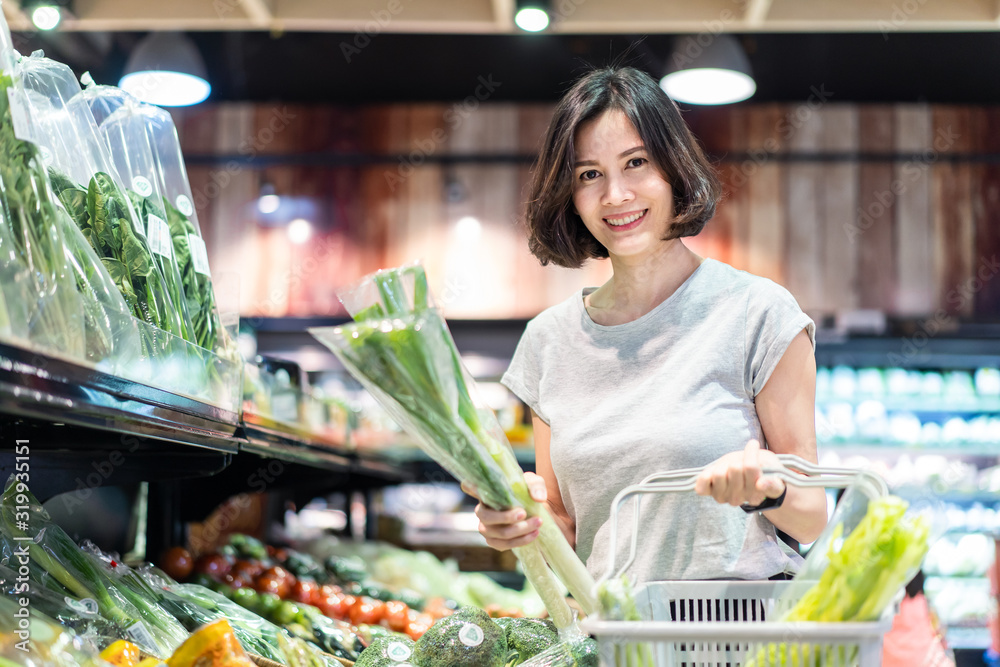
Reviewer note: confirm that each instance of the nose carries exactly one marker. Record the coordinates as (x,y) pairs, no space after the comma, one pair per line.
(617,191)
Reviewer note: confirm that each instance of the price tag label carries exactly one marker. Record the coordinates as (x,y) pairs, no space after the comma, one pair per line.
(141,634)
(471,635)
(184,205)
(398,651)
(19,117)
(158,233)
(142,185)
(199,254)
(84,607)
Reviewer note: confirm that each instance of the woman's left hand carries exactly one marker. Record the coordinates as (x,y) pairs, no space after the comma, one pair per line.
(736,478)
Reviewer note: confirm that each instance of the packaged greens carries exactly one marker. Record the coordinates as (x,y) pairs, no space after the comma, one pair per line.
(870,549)
(40,301)
(29,639)
(83,575)
(91,191)
(130,152)
(112,105)
(401,351)
(81,617)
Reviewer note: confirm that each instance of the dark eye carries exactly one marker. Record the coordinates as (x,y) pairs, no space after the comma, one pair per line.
(637,162)
(588,175)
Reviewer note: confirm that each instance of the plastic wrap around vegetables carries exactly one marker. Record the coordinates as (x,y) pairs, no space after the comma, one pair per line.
(400,349)
(92,192)
(858,566)
(83,576)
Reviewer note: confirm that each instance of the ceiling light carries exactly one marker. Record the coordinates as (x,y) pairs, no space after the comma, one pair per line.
(714,73)
(299,231)
(532,15)
(268,202)
(46,17)
(166,69)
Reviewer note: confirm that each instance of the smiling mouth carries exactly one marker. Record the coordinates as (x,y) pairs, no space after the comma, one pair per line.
(626,221)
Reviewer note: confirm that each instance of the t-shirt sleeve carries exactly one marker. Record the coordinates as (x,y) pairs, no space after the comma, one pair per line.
(524,374)
(773,320)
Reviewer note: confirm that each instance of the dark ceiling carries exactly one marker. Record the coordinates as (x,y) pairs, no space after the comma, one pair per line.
(310,67)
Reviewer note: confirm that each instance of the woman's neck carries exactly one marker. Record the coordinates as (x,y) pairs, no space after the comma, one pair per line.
(640,284)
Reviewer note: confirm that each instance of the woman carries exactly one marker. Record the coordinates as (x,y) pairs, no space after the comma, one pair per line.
(676,362)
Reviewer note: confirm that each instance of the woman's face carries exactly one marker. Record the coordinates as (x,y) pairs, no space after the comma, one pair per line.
(621,196)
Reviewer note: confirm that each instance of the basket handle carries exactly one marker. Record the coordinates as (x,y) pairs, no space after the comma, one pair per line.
(675,481)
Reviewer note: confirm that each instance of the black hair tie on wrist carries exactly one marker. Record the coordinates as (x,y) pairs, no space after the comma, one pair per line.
(768,504)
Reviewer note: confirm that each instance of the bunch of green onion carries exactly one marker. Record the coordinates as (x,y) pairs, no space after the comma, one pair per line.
(399,348)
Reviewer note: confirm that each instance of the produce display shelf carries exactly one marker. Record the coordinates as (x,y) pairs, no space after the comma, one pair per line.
(921,404)
(892,449)
(48,388)
(268,438)
(968,637)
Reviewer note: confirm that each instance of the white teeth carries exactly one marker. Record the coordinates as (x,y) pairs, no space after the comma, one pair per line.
(624,221)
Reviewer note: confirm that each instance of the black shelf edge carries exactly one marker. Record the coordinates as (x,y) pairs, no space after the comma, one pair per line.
(40,386)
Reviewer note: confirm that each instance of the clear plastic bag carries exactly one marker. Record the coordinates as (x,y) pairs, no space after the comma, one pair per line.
(129,147)
(112,106)
(93,194)
(51,549)
(40,300)
(30,639)
(400,349)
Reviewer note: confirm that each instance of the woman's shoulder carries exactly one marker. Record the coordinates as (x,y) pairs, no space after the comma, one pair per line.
(557,317)
(726,280)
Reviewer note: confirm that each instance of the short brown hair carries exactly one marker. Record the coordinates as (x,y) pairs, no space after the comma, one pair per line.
(555,232)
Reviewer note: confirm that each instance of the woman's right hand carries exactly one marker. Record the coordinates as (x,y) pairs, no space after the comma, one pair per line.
(506,529)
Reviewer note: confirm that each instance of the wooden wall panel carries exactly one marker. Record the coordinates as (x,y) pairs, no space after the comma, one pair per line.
(905,237)
(767,224)
(839,206)
(987,217)
(876,283)
(953,229)
(804,189)
(914,135)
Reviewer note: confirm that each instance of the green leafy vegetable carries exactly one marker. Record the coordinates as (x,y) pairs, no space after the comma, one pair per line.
(400,349)
(104,216)
(865,572)
(51,549)
(50,304)
(197,286)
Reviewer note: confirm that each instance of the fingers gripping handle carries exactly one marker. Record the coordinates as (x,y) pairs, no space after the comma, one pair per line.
(794,470)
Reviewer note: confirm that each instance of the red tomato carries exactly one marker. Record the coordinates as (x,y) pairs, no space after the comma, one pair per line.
(235,582)
(416,629)
(367,610)
(247,568)
(326,590)
(271,583)
(178,563)
(305,591)
(397,615)
(214,565)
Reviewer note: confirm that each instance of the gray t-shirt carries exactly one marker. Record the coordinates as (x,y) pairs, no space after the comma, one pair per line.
(672,389)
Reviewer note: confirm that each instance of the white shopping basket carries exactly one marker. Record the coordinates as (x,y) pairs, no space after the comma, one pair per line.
(720,623)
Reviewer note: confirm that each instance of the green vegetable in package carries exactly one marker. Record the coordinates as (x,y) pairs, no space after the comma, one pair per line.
(864,572)
(103,214)
(196,281)
(83,576)
(400,349)
(43,293)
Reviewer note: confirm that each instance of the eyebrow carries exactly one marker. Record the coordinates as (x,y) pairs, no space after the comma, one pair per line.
(581,163)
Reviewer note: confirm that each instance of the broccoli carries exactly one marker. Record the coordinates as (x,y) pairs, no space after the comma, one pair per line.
(387,651)
(469,637)
(527,637)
